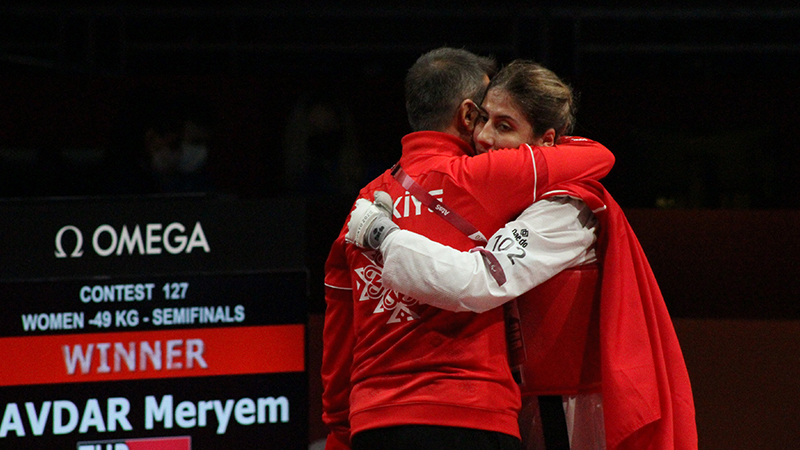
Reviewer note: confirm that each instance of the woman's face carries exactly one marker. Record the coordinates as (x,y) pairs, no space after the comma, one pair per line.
(501,124)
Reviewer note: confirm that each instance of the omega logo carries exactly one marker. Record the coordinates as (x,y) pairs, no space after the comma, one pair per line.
(107,241)
(78,252)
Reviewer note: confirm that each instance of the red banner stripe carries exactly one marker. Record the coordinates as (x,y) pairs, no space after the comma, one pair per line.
(151,354)
(176,443)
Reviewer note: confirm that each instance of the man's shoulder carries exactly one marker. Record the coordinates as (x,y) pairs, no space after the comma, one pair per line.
(379,183)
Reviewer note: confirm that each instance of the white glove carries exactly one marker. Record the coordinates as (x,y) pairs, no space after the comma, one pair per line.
(370,222)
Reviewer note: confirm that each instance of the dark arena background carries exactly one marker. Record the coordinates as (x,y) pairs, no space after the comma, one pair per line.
(300,104)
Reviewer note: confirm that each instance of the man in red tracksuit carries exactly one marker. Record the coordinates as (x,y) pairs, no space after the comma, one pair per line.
(398,374)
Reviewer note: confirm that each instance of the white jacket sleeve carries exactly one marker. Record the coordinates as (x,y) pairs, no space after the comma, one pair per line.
(548,237)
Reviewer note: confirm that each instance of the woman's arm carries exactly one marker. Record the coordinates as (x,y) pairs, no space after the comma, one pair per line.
(548,237)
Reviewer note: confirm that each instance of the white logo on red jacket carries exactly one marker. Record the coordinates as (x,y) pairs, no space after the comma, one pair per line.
(371,287)
(408,205)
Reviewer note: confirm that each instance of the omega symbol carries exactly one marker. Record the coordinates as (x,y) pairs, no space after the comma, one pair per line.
(78,251)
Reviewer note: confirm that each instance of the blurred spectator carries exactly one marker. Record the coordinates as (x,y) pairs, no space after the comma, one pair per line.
(159,145)
(321,154)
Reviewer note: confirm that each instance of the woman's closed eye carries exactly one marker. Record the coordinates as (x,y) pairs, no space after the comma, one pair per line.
(504,127)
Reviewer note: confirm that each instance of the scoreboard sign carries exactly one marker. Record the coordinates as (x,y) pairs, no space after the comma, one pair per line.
(158,323)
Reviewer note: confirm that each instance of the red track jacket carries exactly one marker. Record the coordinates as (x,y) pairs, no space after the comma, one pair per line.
(388,360)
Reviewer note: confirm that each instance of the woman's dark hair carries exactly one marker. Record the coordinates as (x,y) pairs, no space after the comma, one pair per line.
(546,100)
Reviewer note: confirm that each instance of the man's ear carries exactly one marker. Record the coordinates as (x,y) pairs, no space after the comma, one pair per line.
(549,138)
(467,116)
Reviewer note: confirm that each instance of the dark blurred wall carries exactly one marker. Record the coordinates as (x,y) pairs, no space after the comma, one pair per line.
(697,102)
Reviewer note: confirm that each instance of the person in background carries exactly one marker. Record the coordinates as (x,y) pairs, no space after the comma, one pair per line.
(321,154)
(160,145)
